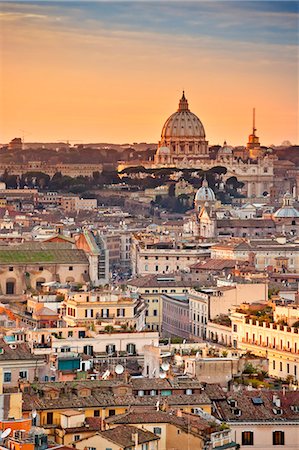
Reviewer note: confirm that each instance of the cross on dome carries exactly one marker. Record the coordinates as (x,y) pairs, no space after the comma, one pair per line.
(183,105)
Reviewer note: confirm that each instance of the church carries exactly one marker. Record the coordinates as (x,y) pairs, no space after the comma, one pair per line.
(183,138)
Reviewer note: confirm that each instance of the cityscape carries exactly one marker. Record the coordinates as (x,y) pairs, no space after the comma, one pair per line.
(149,225)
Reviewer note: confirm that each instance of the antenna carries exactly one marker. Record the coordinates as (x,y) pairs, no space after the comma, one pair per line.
(253,121)
(5,433)
(119,369)
(106,375)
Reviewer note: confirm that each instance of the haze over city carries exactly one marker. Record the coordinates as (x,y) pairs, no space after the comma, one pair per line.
(113,71)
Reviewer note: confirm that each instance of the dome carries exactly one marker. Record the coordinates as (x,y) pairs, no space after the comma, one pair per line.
(163,151)
(183,123)
(205,193)
(287,210)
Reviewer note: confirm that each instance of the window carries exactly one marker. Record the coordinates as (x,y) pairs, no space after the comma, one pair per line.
(96,413)
(93,448)
(76,437)
(7,377)
(157,430)
(70,334)
(247,438)
(278,437)
(70,267)
(235,328)
(155,312)
(10,269)
(23,374)
(280,366)
(40,268)
(111,412)
(144,446)
(49,418)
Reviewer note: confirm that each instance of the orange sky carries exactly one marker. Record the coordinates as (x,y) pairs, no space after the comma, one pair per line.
(93,75)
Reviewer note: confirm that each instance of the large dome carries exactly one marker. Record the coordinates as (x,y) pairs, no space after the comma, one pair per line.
(183,123)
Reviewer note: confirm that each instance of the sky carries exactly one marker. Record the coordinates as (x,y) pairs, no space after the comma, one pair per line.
(114,71)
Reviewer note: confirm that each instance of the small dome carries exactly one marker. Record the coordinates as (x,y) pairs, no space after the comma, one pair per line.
(163,151)
(287,210)
(205,193)
(183,123)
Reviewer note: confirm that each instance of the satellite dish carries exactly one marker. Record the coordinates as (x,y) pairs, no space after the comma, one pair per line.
(165,366)
(162,375)
(197,355)
(119,369)
(158,405)
(34,413)
(53,368)
(5,433)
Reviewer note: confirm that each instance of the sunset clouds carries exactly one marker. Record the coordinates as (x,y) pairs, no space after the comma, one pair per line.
(113,71)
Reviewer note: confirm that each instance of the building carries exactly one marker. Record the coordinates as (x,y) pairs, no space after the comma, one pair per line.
(278,343)
(122,437)
(165,256)
(175,316)
(280,254)
(31,264)
(17,363)
(260,418)
(183,138)
(115,308)
(151,288)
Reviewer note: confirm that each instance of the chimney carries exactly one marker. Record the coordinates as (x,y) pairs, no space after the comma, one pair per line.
(179,413)
(135,440)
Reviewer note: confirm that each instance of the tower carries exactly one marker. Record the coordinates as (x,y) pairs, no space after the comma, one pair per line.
(253,144)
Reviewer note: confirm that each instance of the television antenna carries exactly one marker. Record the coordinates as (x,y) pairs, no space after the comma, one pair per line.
(165,366)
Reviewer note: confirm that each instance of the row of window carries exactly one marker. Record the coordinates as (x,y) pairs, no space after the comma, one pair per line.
(166,257)
(7,376)
(281,367)
(278,438)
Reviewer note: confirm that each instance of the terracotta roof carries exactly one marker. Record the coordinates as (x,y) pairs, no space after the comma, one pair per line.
(122,435)
(159,281)
(13,351)
(215,264)
(263,411)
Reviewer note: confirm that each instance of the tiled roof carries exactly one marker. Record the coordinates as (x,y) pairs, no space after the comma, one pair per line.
(159,281)
(215,264)
(107,399)
(142,417)
(122,435)
(14,351)
(265,411)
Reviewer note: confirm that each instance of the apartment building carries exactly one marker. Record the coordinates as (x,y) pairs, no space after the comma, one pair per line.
(151,288)
(104,306)
(278,343)
(165,257)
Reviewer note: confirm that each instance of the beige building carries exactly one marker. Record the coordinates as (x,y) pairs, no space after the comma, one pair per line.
(260,419)
(83,308)
(71,170)
(31,264)
(276,253)
(164,257)
(151,288)
(278,343)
